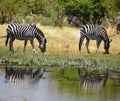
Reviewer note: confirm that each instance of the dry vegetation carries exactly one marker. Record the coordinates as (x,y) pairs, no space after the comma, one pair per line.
(65,40)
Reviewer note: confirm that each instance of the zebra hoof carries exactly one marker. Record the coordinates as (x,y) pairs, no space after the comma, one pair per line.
(106,52)
(34,51)
(88,52)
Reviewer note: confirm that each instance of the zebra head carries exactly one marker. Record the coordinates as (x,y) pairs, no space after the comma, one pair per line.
(107,46)
(41,39)
(42,45)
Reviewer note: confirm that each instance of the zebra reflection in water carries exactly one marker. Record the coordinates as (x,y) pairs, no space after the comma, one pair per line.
(93,79)
(18,75)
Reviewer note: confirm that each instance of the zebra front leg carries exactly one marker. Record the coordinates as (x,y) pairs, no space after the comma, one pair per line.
(98,44)
(25,43)
(10,46)
(87,44)
(32,44)
(81,42)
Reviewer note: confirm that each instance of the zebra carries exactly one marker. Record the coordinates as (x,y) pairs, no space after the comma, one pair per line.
(92,32)
(25,32)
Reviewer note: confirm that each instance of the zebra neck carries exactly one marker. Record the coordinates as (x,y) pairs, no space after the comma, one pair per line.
(39,38)
(105,40)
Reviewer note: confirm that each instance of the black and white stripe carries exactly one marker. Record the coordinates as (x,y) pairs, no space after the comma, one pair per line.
(92,79)
(19,75)
(25,32)
(92,32)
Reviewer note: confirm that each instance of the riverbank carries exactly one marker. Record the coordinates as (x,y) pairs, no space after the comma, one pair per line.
(91,61)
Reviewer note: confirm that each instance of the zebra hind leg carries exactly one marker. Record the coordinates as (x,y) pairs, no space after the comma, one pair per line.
(87,44)
(81,42)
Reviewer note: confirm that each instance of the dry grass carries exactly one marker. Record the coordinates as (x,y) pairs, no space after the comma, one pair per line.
(65,40)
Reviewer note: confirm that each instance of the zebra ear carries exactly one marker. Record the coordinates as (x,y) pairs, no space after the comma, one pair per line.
(110,40)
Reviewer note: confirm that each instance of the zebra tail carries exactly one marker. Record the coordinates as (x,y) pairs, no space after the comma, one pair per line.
(7,38)
(79,46)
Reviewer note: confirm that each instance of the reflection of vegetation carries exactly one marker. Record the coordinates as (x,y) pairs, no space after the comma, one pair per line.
(68,73)
(103,94)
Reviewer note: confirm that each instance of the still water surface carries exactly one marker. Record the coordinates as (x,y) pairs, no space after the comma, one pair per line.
(47,89)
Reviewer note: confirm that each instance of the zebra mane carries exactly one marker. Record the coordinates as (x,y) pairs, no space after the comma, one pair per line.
(41,33)
(107,38)
(38,30)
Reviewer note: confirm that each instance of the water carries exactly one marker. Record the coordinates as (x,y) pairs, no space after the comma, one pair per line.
(48,89)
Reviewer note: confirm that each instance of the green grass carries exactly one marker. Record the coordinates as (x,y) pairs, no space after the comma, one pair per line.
(91,61)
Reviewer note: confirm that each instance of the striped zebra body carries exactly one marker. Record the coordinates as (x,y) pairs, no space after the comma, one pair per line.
(21,32)
(92,32)
(25,32)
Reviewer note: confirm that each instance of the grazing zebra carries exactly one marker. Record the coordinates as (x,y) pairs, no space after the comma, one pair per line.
(25,32)
(118,28)
(95,33)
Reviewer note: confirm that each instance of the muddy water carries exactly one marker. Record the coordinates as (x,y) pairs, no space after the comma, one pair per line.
(48,89)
